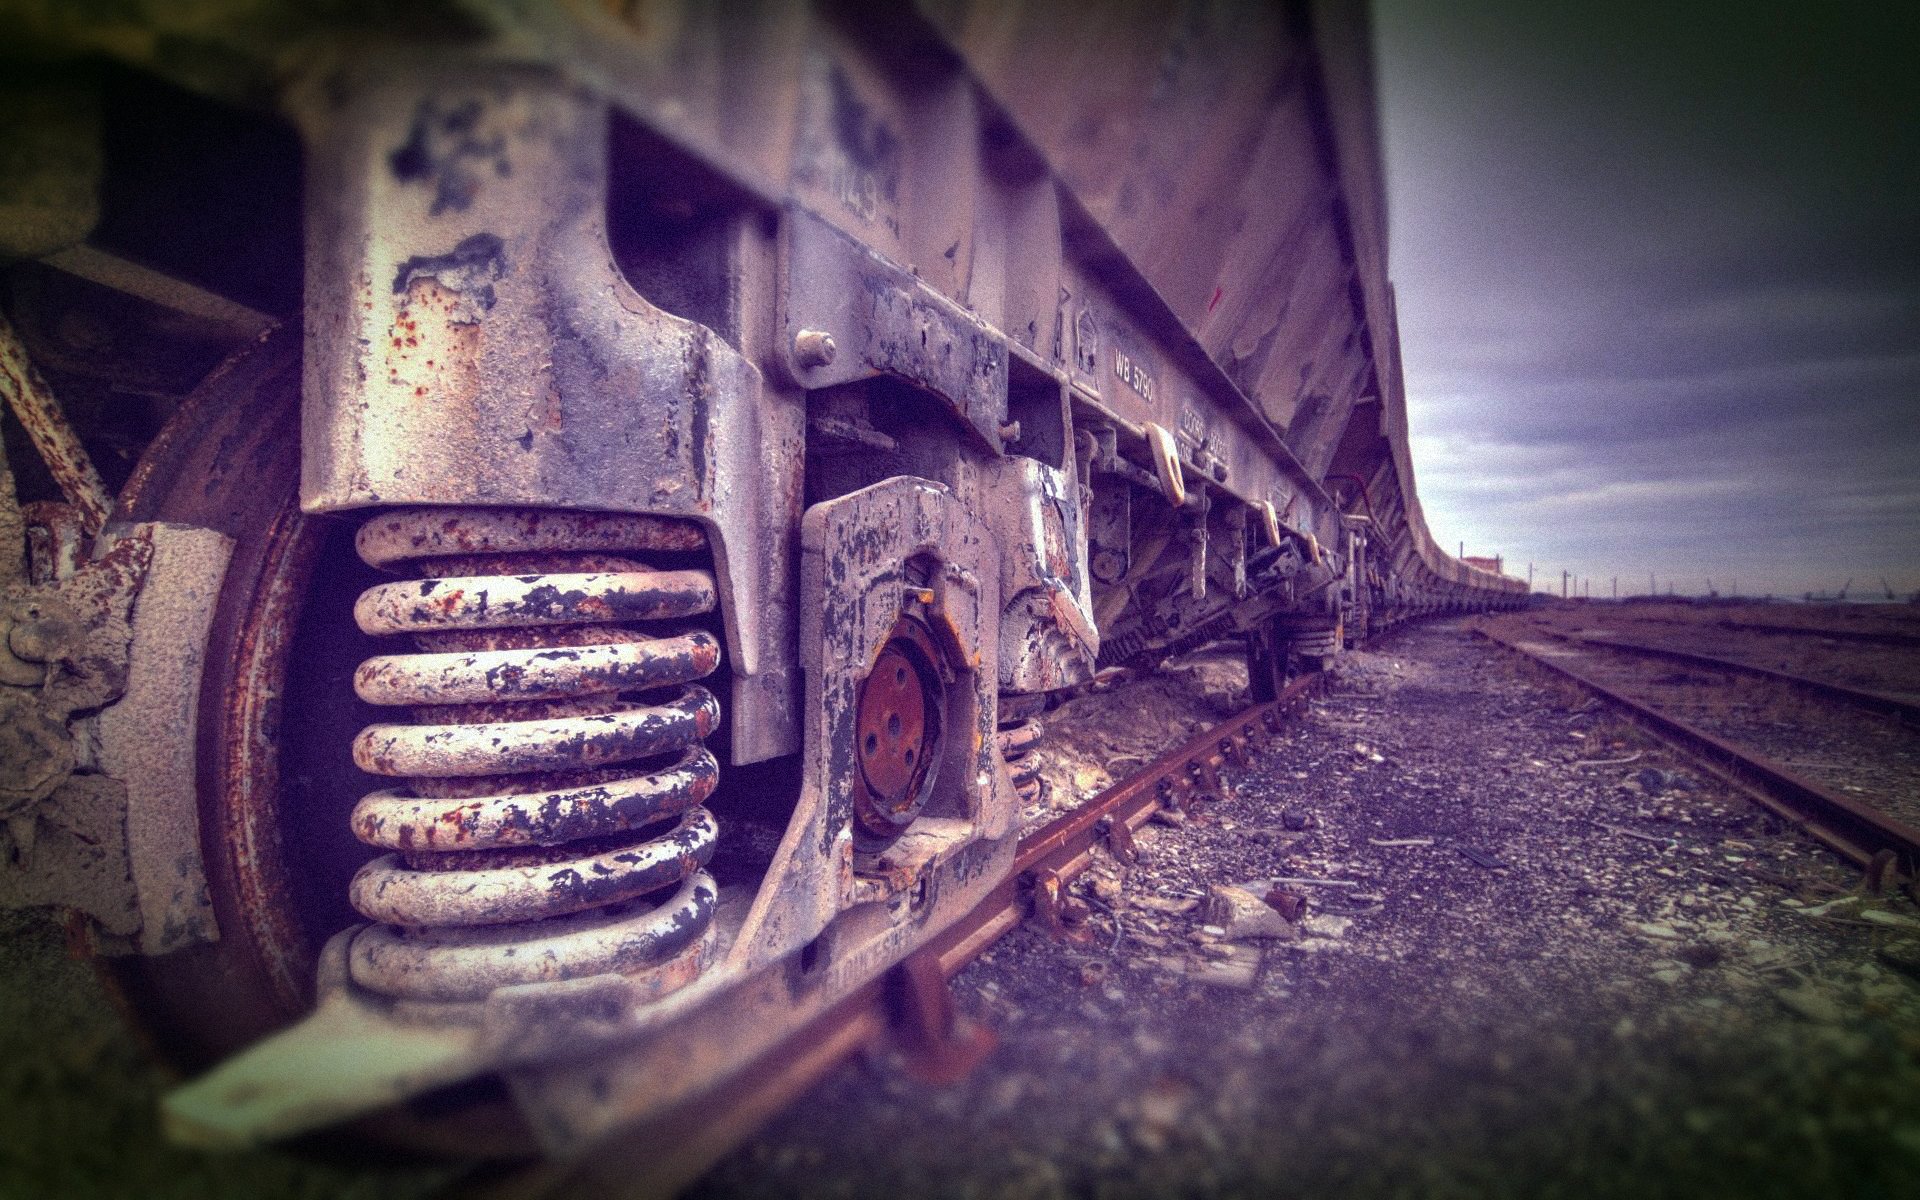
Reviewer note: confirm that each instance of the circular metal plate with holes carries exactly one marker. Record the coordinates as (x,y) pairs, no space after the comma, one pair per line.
(897,725)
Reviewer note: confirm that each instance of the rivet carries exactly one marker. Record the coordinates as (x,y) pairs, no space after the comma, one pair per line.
(813,348)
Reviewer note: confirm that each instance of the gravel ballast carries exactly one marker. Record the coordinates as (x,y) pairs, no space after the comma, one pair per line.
(1546,959)
(1536,969)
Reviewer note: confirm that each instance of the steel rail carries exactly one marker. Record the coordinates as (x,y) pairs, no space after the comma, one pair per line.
(1854,829)
(1872,637)
(908,1004)
(1063,847)
(1878,702)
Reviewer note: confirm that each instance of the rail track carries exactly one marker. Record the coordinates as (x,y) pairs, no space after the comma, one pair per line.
(1883,703)
(1869,637)
(909,1009)
(1877,830)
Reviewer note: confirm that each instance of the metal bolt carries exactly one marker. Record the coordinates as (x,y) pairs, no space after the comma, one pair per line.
(813,348)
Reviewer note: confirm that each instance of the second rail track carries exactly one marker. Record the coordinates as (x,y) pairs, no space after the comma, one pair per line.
(1860,832)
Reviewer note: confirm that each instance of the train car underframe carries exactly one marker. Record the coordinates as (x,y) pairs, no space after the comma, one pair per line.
(682,554)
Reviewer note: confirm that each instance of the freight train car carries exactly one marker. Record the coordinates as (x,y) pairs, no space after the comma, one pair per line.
(535,530)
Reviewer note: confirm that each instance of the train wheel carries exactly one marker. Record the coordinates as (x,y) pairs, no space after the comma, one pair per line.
(276,718)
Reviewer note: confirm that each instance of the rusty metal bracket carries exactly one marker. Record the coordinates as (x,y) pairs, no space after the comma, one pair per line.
(1118,836)
(938,1044)
(1234,747)
(1055,911)
(848,314)
(1166,791)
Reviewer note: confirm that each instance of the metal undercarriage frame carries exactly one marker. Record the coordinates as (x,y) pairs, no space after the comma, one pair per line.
(833,309)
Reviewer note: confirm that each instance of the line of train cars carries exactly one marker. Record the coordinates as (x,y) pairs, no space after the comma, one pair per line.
(536,528)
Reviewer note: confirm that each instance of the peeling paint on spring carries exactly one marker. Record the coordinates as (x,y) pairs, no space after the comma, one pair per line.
(636,731)
(388,890)
(432,533)
(540,673)
(459,964)
(499,602)
(541,878)
(397,821)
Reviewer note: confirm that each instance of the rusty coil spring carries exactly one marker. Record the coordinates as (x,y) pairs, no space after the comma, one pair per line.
(1314,637)
(549,737)
(1017,739)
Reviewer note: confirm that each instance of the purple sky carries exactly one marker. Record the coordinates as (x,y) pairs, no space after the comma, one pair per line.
(1658,270)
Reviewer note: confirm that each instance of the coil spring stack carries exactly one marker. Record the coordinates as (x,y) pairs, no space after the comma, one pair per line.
(1020,732)
(556,731)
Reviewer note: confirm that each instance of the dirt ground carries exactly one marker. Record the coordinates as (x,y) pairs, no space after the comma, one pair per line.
(1599,979)
(79,1099)
(1870,757)
(1574,977)
(1873,646)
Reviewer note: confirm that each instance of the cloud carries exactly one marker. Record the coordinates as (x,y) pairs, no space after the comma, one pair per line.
(1659,282)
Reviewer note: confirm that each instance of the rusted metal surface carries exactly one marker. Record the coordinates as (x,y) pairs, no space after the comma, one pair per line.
(47,427)
(1048,636)
(99,658)
(142,734)
(940,1046)
(1880,702)
(609,802)
(548,598)
(618,732)
(414,534)
(453,964)
(906,547)
(1017,740)
(1855,830)
(883,321)
(538,672)
(897,720)
(56,540)
(471,342)
(513,816)
(1117,837)
(1053,910)
(248,823)
(419,890)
